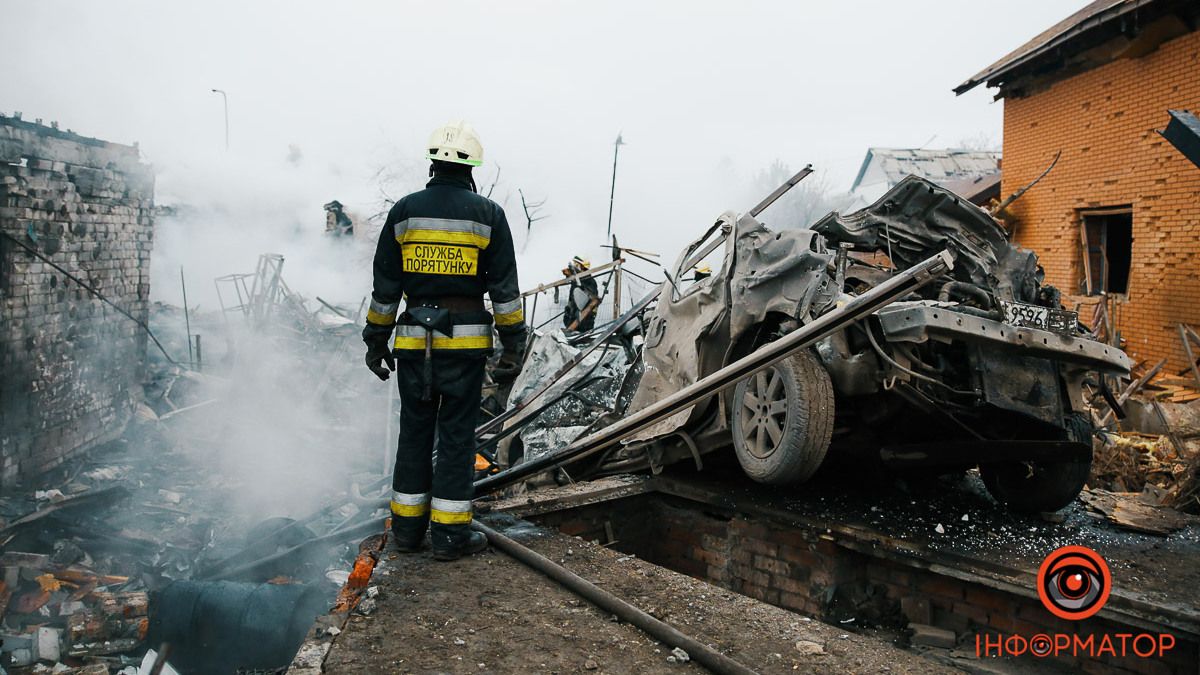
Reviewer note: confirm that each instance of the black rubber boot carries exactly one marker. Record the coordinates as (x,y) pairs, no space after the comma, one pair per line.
(472,543)
(409,533)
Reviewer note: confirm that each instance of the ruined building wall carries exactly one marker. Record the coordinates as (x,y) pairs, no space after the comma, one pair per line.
(70,365)
(1104,121)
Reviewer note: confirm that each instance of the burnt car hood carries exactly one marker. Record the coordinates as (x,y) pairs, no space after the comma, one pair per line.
(917,219)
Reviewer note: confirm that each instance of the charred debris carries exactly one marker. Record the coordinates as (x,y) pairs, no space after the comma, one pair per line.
(190,539)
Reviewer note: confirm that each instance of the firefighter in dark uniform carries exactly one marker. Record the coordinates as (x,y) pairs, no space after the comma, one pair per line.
(580,313)
(440,250)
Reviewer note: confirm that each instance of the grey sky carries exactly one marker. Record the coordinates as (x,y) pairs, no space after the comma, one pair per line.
(706,93)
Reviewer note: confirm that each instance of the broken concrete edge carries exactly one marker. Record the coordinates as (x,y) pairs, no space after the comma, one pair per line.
(932,636)
(310,658)
(1122,606)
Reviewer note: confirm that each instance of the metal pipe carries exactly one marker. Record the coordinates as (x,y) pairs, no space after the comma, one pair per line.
(187,321)
(768,355)
(617,293)
(699,652)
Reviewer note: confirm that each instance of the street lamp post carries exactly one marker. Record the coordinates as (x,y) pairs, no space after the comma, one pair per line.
(225,99)
(613,191)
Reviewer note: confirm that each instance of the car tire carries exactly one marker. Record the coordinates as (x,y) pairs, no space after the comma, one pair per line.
(1036,487)
(782,437)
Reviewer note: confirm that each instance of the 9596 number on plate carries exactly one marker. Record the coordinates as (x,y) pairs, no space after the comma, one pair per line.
(1031,316)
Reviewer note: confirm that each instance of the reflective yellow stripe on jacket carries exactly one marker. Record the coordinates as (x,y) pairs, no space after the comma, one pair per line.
(509,313)
(442,245)
(381,314)
(466,336)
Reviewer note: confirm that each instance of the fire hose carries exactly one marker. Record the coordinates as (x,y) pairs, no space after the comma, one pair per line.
(766,356)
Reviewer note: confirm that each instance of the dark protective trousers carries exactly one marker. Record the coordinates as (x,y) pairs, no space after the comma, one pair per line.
(428,486)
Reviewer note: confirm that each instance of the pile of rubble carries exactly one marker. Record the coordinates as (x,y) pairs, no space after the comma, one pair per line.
(167,537)
(1156,445)
(1145,465)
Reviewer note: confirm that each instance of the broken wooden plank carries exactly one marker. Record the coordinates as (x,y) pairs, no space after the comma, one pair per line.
(1127,510)
(1185,335)
(107,494)
(1133,388)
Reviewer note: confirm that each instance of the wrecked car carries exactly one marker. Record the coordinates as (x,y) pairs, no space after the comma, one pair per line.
(982,367)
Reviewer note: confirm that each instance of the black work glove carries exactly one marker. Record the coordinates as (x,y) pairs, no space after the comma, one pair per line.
(509,365)
(377,355)
(507,369)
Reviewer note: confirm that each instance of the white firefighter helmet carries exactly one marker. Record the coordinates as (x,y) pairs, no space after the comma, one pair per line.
(456,142)
(581,263)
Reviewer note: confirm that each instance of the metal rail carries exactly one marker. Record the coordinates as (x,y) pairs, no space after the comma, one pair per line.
(781,190)
(706,656)
(864,305)
(595,271)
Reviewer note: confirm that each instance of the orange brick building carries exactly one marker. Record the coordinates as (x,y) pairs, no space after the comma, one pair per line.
(1117,220)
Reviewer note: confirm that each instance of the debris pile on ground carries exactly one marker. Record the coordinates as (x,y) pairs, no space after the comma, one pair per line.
(222,495)
(1154,451)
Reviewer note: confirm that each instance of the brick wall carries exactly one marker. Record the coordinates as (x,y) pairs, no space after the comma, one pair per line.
(1104,121)
(806,570)
(70,365)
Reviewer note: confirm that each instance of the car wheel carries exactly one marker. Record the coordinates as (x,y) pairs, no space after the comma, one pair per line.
(783,420)
(1035,487)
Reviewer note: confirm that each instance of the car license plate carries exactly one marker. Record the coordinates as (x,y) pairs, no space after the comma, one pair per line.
(1031,316)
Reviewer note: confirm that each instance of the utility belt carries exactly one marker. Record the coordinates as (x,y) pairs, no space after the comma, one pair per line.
(449,325)
(454,303)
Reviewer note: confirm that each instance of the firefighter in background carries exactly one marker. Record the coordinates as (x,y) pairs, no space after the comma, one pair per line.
(336,220)
(701,272)
(440,250)
(583,299)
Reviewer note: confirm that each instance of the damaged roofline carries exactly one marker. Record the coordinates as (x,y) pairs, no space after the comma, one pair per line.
(1008,63)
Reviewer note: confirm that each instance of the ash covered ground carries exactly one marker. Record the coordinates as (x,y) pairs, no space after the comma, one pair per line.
(956,516)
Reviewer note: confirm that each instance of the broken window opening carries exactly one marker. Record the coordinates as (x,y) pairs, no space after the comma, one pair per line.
(1107,249)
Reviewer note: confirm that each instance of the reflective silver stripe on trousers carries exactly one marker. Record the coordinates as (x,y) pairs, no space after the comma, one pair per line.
(445,225)
(464,330)
(386,310)
(407,499)
(452,505)
(507,307)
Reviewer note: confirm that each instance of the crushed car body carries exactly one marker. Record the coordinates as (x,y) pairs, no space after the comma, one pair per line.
(982,367)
